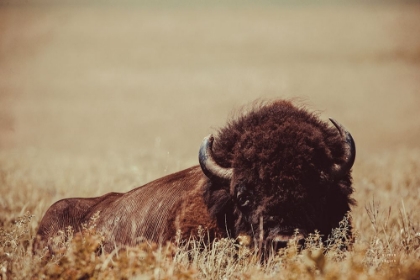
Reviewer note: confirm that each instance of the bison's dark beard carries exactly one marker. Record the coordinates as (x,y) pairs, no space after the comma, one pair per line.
(270,240)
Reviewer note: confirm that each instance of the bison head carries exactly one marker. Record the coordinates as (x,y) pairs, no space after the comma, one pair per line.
(278,169)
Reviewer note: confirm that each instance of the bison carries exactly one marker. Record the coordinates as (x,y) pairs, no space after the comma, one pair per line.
(273,169)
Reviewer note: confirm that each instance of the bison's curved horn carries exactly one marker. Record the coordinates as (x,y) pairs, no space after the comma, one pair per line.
(209,166)
(340,170)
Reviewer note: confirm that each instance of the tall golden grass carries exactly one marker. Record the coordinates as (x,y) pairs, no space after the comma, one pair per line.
(386,225)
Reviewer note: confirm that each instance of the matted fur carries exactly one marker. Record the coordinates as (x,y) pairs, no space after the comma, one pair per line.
(281,157)
(283,154)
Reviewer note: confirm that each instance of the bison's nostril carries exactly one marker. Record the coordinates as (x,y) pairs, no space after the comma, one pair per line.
(279,244)
(301,242)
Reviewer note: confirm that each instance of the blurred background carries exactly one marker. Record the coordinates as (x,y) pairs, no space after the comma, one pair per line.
(135,86)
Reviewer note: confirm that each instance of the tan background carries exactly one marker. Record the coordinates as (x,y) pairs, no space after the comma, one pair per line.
(97,97)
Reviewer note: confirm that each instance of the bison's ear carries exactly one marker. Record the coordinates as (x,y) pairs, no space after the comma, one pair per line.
(340,170)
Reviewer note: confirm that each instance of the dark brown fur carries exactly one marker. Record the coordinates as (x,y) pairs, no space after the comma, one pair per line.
(281,156)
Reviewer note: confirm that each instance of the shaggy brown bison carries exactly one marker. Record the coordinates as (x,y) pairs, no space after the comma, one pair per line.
(269,171)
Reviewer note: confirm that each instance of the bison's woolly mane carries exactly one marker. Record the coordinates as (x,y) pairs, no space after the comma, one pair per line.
(267,133)
(288,152)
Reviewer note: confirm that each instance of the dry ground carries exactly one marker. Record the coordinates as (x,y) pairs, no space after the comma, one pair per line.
(97,98)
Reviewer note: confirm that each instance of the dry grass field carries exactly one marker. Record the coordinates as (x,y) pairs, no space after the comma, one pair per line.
(97,98)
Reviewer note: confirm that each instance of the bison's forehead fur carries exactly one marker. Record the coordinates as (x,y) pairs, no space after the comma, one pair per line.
(283,152)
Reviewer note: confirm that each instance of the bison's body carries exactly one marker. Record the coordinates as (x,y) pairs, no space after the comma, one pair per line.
(153,212)
(271,171)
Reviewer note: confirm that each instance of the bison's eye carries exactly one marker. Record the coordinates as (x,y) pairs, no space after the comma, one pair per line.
(243,196)
(243,200)
(271,218)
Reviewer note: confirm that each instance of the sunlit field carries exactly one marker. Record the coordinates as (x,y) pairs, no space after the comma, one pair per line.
(97,98)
